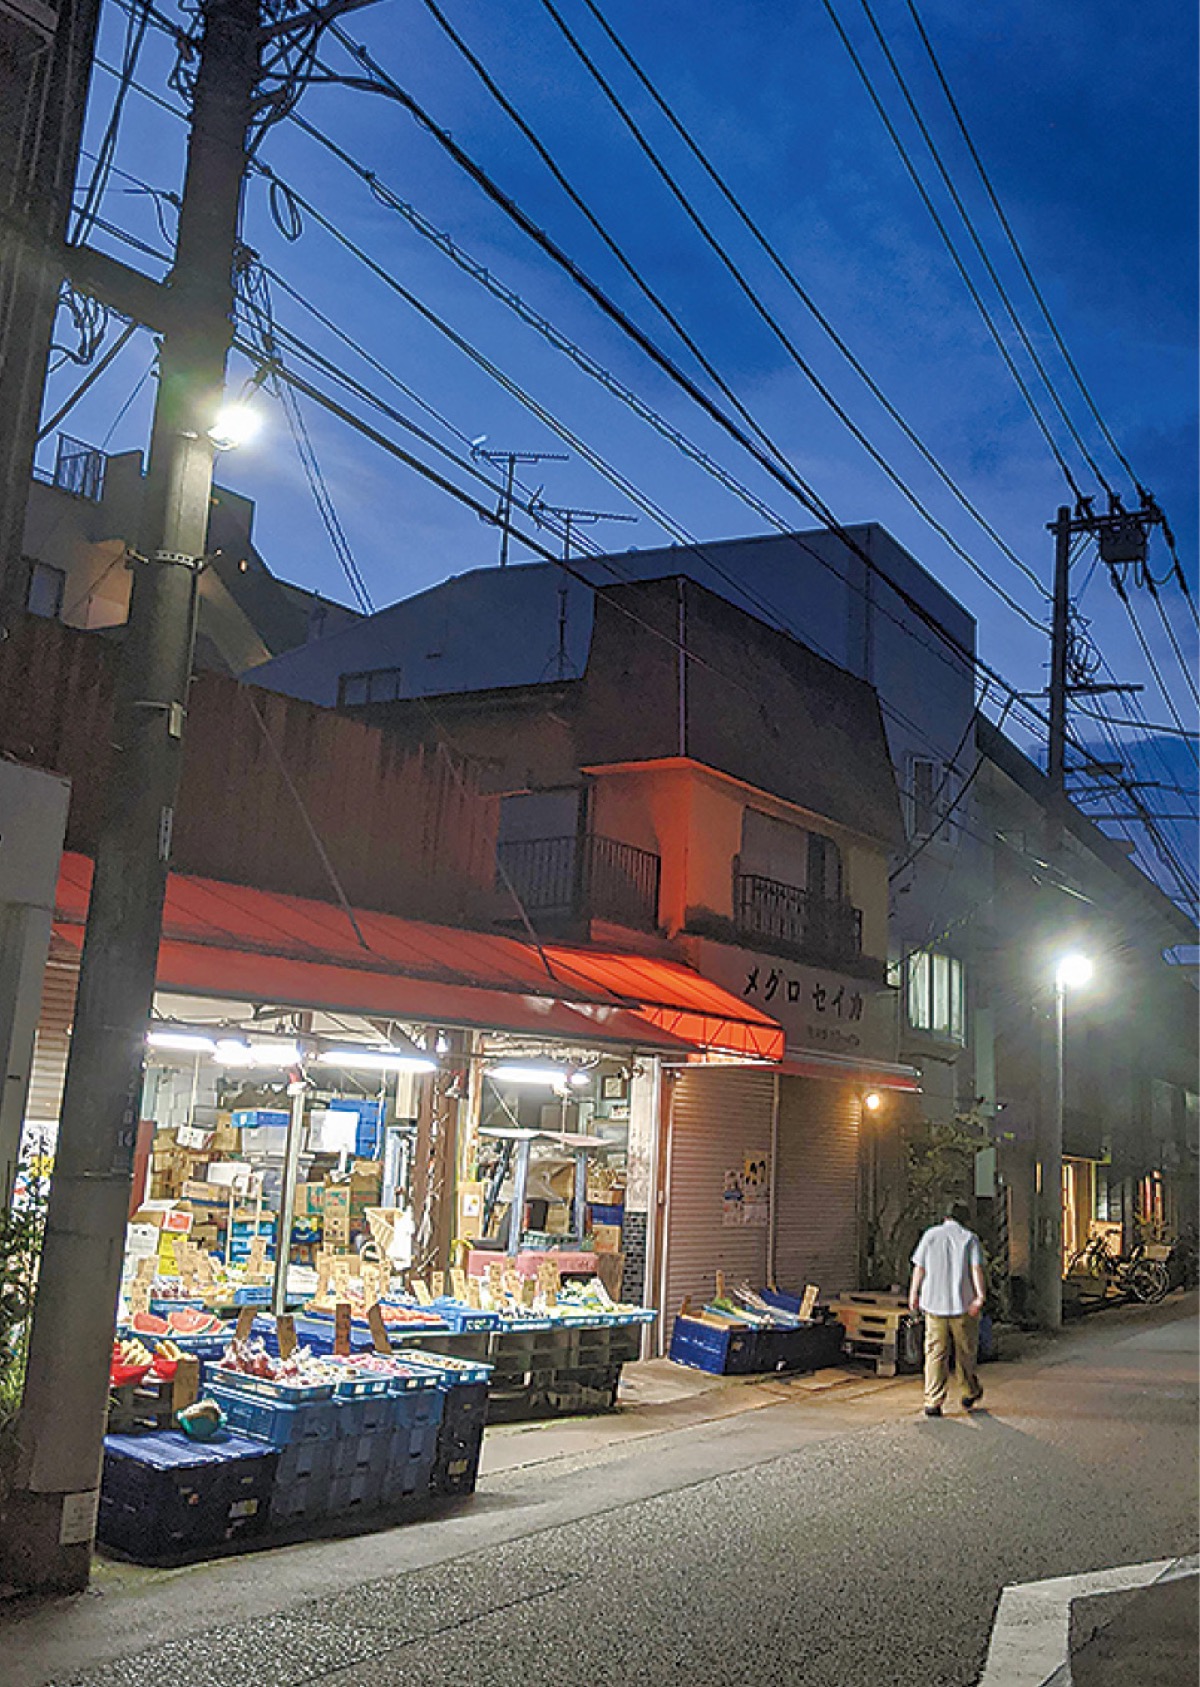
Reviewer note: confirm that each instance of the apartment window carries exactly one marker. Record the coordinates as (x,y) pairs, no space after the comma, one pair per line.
(79,468)
(47,586)
(790,855)
(374,685)
(934,995)
(931,790)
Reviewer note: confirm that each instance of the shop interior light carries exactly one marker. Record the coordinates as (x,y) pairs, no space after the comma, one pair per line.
(872,1101)
(378,1060)
(580,1080)
(243,1051)
(186,1042)
(546,1077)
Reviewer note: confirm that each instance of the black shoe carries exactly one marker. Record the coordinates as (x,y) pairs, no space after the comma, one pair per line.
(933,1411)
(970,1401)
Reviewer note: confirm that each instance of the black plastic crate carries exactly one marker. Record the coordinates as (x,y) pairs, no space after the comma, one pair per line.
(464,1409)
(164,1498)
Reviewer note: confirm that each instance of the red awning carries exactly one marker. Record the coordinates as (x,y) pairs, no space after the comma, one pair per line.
(237,942)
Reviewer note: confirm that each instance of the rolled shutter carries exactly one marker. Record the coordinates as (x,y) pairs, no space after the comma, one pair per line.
(52,1041)
(816,1202)
(718,1116)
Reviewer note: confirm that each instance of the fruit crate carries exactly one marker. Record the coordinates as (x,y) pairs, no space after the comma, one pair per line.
(370,1414)
(271,1421)
(164,1499)
(266,1388)
(139,1408)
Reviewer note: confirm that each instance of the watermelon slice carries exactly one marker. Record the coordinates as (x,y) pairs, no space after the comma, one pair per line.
(146,1324)
(189,1321)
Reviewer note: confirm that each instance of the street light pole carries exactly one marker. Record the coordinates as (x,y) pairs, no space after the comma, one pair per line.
(1072,971)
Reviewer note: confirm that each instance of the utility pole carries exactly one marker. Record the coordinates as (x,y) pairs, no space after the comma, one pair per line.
(510,459)
(1123,538)
(48,1516)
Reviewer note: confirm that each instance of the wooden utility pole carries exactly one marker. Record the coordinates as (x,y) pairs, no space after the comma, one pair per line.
(48,1516)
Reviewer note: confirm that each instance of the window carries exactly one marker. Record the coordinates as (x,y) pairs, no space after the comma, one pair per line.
(46,588)
(790,855)
(79,468)
(374,685)
(934,995)
(930,795)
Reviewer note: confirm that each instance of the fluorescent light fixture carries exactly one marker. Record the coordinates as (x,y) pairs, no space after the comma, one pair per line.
(186,1042)
(546,1077)
(1073,971)
(242,1051)
(365,1059)
(580,1080)
(236,424)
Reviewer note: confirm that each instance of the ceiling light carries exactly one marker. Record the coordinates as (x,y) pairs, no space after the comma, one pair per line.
(186,1042)
(546,1077)
(377,1060)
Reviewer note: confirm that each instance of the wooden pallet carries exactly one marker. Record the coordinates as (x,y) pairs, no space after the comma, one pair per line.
(876,1328)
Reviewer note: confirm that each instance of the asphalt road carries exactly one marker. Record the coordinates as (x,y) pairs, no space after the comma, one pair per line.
(815,1542)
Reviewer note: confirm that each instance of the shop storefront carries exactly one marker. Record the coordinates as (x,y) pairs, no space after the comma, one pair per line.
(767,1171)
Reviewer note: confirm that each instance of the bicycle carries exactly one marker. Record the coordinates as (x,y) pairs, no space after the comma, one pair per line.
(1142,1279)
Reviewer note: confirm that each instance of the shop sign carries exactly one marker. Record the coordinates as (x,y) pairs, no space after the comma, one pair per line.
(821,1011)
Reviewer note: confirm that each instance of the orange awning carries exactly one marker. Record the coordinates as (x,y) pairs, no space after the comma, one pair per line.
(233,941)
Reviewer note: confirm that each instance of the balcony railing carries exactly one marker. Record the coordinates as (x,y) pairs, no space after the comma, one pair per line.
(569,878)
(782,914)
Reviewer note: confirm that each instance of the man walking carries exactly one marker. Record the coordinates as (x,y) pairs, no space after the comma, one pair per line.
(948,1287)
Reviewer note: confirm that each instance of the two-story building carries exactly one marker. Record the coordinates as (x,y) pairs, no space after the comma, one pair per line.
(711,789)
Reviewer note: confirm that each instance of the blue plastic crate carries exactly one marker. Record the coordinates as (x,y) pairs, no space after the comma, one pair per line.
(409,1469)
(606,1214)
(370,1414)
(362,1452)
(461,1371)
(302,1478)
(266,1388)
(459,1317)
(268,1420)
(418,1405)
(252,1294)
(164,1498)
(361,1490)
(706,1348)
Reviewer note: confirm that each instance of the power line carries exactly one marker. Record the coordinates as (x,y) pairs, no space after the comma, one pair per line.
(773,323)
(948,240)
(793,282)
(993,275)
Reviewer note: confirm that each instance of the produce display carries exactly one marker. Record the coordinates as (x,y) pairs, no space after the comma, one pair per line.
(179,1321)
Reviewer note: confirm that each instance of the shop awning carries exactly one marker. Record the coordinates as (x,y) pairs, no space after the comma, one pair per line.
(233,941)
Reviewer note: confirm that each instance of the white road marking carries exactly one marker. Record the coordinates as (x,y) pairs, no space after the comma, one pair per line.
(1030,1645)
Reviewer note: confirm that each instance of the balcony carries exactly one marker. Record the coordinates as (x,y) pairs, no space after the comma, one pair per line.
(783,917)
(567,879)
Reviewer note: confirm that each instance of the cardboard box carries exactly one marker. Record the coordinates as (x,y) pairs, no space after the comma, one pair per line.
(205,1195)
(310,1200)
(229,1174)
(606,1238)
(335,1216)
(165,1216)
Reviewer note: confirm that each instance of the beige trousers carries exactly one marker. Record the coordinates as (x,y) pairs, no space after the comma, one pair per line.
(941,1336)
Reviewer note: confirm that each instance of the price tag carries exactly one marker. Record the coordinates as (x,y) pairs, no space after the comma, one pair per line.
(495,1278)
(139,1296)
(458,1282)
(245,1323)
(147,1268)
(437,1282)
(472,1293)
(341,1328)
(372,1282)
(285,1327)
(379,1336)
(420,1289)
(324,1271)
(512,1284)
(185,1384)
(528,1291)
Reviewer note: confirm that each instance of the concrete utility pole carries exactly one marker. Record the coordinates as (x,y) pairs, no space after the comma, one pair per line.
(48,1516)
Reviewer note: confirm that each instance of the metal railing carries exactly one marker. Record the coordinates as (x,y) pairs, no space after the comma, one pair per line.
(782,913)
(588,877)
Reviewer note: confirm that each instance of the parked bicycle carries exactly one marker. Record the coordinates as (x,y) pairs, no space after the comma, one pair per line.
(1143,1279)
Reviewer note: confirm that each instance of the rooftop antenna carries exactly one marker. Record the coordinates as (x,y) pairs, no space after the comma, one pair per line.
(510,459)
(570,520)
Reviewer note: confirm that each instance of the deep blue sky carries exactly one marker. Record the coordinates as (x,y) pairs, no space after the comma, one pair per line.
(1083,111)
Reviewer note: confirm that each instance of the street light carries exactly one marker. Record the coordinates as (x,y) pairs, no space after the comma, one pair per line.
(1072,972)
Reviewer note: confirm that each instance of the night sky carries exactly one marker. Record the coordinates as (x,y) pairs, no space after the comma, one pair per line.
(1083,112)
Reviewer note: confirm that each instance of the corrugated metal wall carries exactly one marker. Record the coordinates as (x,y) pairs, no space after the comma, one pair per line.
(717,1117)
(816,1201)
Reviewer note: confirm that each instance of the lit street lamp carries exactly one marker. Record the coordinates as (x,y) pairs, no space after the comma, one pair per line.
(1072,972)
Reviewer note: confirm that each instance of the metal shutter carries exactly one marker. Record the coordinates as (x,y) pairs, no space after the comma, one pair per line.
(717,1116)
(816,1196)
(52,1041)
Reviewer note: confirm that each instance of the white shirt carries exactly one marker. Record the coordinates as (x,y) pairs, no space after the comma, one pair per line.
(946,1253)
